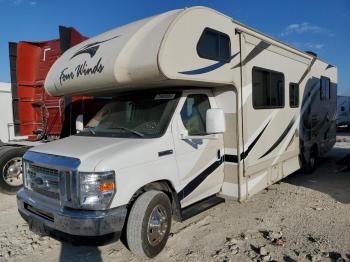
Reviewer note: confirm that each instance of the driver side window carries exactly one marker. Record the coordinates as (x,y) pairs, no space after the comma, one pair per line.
(193,114)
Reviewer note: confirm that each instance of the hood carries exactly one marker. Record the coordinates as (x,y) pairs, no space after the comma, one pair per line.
(106,153)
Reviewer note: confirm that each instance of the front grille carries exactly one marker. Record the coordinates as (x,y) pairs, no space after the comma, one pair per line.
(47,193)
(43,170)
(43,180)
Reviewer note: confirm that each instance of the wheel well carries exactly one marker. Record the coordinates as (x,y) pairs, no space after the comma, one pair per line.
(164,186)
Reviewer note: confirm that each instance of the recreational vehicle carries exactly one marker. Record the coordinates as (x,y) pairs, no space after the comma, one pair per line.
(343,111)
(202,106)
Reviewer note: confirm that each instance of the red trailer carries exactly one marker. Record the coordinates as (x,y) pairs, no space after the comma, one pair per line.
(38,117)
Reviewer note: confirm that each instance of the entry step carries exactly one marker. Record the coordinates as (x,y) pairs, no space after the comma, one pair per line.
(201,206)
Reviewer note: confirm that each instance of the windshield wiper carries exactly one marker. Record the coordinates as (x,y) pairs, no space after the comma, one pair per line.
(129,130)
(91,129)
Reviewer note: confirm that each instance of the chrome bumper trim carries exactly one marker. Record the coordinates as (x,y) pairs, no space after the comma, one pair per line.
(70,221)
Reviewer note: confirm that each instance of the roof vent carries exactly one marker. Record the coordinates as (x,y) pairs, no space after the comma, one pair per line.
(311,53)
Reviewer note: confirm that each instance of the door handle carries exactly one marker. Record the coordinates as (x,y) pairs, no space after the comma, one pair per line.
(165,152)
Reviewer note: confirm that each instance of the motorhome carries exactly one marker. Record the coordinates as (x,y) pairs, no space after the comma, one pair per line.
(202,106)
(343,111)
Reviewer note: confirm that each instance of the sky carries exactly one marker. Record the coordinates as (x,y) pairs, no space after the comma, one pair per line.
(321,26)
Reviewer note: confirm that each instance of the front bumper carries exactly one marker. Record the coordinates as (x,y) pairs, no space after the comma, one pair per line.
(70,221)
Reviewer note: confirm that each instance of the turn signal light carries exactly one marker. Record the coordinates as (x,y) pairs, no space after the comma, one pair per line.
(107,187)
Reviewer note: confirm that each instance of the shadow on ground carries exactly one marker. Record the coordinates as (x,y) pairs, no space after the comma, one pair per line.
(331,177)
(74,248)
(70,252)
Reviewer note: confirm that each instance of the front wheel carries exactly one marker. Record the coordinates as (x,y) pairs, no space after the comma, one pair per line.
(149,224)
(11,169)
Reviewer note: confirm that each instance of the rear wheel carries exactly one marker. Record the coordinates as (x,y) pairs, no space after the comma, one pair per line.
(11,170)
(311,163)
(149,224)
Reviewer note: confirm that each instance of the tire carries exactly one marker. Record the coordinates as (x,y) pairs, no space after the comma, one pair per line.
(11,158)
(310,165)
(138,232)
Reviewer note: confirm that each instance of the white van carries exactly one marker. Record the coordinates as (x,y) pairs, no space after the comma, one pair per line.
(202,106)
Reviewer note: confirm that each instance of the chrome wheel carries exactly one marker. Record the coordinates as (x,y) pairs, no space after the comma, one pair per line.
(12,172)
(157,225)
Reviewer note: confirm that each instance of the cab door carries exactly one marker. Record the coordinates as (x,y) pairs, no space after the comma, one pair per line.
(199,155)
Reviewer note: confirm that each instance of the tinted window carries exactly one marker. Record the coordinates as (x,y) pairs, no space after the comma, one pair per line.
(268,89)
(193,114)
(214,45)
(225,47)
(325,89)
(293,95)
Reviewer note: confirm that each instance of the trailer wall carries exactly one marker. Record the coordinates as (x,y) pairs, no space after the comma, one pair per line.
(6,111)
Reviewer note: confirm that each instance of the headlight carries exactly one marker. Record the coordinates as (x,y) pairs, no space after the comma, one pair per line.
(96,189)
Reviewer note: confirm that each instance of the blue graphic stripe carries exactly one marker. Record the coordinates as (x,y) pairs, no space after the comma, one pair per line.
(207,68)
(204,69)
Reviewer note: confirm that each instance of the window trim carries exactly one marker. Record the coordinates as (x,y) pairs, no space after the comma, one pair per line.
(200,54)
(297,105)
(284,87)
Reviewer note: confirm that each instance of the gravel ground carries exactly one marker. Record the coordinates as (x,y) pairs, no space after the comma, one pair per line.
(302,218)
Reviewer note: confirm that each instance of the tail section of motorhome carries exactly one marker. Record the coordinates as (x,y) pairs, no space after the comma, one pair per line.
(212,108)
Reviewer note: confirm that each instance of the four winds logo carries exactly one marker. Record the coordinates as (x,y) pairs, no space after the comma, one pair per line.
(84,69)
(92,48)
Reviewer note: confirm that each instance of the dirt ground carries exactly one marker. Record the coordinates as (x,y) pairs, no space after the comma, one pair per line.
(302,218)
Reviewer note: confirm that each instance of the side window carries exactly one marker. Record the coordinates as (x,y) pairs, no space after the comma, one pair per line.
(325,89)
(193,114)
(214,45)
(342,108)
(293,95)
(268,89)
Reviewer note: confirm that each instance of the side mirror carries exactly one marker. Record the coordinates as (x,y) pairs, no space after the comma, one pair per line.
(79,123)
(184,134)
(215,119)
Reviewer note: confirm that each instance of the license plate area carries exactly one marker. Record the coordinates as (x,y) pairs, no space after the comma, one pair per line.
(37,227)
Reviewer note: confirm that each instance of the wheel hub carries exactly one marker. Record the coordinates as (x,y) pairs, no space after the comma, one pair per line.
(12,172)
(157,225)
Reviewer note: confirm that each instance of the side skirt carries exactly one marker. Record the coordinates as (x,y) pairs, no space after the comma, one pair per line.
(200,207)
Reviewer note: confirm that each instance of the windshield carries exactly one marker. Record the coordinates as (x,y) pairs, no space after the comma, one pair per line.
(141,114)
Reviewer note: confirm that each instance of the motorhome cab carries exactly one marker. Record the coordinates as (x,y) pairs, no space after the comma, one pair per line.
(201,105)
